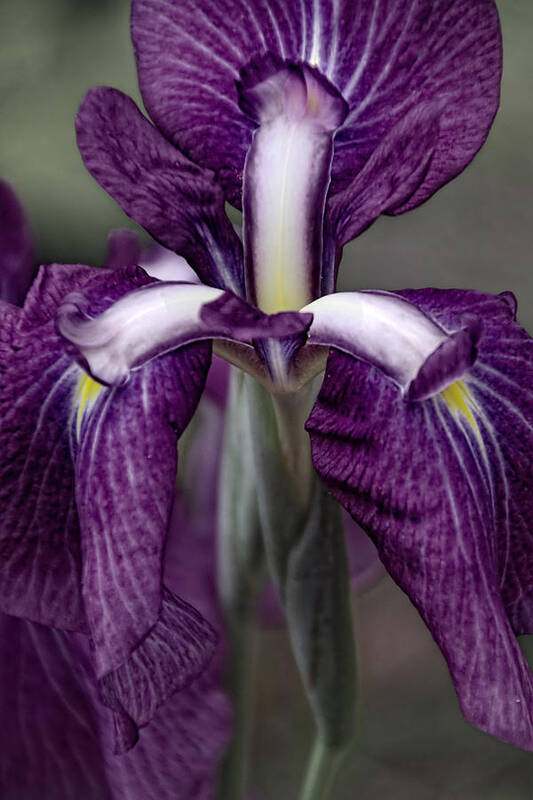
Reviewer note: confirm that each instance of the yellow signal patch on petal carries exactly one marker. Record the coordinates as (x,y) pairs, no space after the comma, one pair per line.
(86,394)
(461,403)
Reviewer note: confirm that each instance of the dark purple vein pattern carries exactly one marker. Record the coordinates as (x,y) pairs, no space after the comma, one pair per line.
(384,56)
(446,496)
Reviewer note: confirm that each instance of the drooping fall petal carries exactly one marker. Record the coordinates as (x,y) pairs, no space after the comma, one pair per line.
(87,484)
(56,737)
(443,487)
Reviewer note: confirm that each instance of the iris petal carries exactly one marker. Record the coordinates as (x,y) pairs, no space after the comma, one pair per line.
(443,488)
(391,333)
(55,739)
(384,57)
(49,743)
(176,201)
(393,172)
(95,564)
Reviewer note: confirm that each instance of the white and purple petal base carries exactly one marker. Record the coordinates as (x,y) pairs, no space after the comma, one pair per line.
(389,332)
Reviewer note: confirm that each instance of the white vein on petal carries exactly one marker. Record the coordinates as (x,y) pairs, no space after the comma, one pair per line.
(218,258)
(304,56)
(198,45)
(248,8)
(218,31)
(376,85)
(507,499)
(314,58)
(287,25)
(446,483)
(517,386)
(210,89)
(354,80)
(334,44)
(460,461)
(488,594)
(96,550)
(276,29)
(501,398)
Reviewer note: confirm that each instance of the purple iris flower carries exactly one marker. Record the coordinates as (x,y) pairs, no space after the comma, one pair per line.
(315,117)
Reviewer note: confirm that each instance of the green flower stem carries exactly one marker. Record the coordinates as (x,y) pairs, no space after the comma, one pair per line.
(233,777)
(304,543)
(240,576)
(321,771)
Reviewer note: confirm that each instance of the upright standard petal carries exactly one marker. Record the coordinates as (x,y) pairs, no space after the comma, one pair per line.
(383,56)
(176,201)
(443,487)
(95,564)
(16,250)
(391,175)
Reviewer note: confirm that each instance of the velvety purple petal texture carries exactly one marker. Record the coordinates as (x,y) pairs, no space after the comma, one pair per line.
(40,577)
(178,754)
(177,202)
(49,743)
(39,535)
(16,250)
(55,739)
(147,642)
(392,173)
(95,564)
(443,486)
(384,56)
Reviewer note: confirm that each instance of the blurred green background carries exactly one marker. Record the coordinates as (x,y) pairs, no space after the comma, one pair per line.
(477,232)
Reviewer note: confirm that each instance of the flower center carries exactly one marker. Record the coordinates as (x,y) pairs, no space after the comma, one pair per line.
(286,178)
